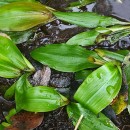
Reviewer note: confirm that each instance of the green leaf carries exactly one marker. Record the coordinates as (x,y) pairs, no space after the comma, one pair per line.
(63,57)
(100,87)
(123,52)
(42,99)
(4,2)
(20,16)
(2,127)
(12,62)
(90,121)
(108,55)
(84,38)
(10,92)
(21,87)
(11,113)
(88,19)
(81,75)
(19,37)
(80,3)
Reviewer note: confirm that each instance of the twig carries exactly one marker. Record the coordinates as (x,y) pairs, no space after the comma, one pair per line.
(78,123)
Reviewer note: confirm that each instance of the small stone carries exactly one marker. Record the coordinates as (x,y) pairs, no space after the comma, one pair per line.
(42,77)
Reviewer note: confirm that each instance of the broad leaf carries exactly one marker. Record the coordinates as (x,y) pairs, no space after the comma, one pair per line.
(84,38)
(64,57)
(40,99)
(87,19)
(12,62)
(100,87)
(4,2)
(90,121)
(20,16)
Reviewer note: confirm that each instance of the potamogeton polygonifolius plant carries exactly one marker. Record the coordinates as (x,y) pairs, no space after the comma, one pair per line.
(12,62)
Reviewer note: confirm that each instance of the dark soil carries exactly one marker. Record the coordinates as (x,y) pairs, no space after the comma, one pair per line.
(60,32)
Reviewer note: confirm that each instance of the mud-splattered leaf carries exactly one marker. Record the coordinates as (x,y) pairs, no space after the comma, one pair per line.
(25,121)
(120,103)
(23,16)
(20,37)
(100,87)
(84,38)
(87,19)
(12,62)
(90,121)
(64,57)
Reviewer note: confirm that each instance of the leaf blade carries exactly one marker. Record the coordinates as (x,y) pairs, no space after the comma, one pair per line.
(104,83)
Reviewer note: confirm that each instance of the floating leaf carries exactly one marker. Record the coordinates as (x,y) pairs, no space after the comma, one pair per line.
(100,87)
(4,2)
(90,121)
(84,38)
(12,62)
(64,57)
(88,19)
(23,16)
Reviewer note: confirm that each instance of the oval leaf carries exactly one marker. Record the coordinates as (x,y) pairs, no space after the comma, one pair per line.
(87,19)
(64,57)
(42,99)
(11,59)
(23,15)
(100,87)
(90,121)
(84,38)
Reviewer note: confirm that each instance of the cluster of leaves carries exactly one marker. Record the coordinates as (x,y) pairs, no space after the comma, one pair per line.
(98,89)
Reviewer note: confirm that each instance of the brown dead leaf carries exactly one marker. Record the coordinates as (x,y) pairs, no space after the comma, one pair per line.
(25,121)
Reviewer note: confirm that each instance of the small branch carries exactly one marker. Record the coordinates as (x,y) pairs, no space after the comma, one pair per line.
(78,123)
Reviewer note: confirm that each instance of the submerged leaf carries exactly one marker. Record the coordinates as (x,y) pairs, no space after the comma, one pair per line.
(23,16)
(64,57)
(84,38)
(90,121)
(12,62)
(100,87)
(88,19)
